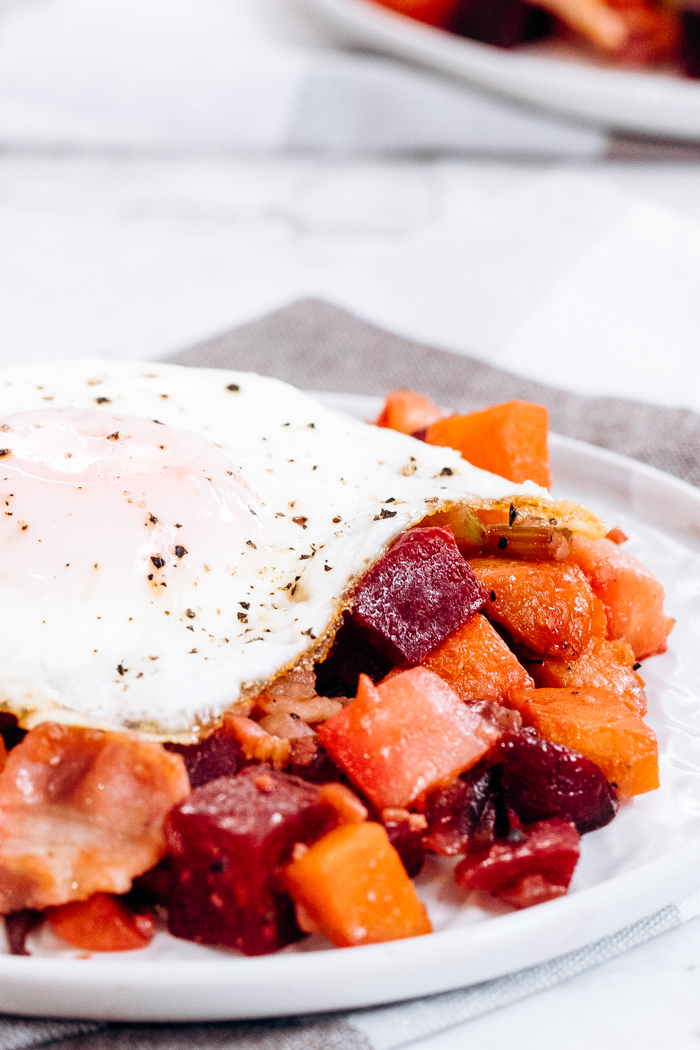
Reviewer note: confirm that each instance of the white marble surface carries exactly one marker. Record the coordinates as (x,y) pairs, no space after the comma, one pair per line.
(582,275)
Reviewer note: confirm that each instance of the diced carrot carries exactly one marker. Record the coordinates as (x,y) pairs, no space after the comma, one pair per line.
(353,886)
(547,606)
(477,663)
(347,806)
(102,923)
(408,411)
(404,737)
(599,725)
(632,595)
(508,439)
(434,12)
(604,665)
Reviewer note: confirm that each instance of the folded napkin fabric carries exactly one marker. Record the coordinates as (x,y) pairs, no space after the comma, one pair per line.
(317,346)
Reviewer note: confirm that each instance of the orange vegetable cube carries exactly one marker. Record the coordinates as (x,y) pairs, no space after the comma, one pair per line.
(102,923)
(433,12)
(604,665)
(508,439)
(400,739)
(477,663)
(547,606)
(632,595)
(408,411)
(352,885)
(599,725)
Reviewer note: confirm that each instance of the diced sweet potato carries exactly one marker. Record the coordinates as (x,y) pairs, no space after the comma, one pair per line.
(82,811)
(405,737)
(416,596)
(102,923)
(599,725)
(541,780)
(226,842)
(547,606)
(508,439)
(604,665)
(632,595)
(354,887)
(406,410)
(477,663)
(531,865)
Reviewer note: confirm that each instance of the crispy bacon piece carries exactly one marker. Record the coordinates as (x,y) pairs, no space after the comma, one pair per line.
(82,811)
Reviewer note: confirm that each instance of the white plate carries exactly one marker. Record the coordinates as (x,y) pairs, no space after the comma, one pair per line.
(648,103)
(647,858)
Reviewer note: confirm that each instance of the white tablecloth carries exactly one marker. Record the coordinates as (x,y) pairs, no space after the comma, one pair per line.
(136,237)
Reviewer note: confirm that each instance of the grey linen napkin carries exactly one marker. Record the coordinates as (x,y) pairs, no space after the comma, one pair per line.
(317,346)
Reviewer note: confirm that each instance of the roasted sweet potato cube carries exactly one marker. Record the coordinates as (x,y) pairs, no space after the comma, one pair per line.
(632,595)
(353,886)
(226,842)
(508,439)
(604,665)
(599,725)
(102,923)
(407,411)
(477,663)
(405,737)
(547,606)
(416,596)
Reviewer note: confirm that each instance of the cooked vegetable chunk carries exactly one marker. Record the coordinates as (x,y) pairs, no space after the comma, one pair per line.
(82,811)
(599,725)
(353,886)
(217,755)
(406,410)
(102,923)
(454,813)
(632,596)
(547,606)
(508,439)
(531,865)
(408,735)
(416,596)
(226,842)
(604,665)
(477,663)
(541,780)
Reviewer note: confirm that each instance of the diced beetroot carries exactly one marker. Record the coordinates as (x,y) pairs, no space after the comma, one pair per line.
(348,658)
(401,739)
(690,37)
(227,841)
(10,730)
(528,866)
(322,770)
(218,755)
(408,843)
(541,780)
(416,596)
(453,813)
(505,23)
(18,926)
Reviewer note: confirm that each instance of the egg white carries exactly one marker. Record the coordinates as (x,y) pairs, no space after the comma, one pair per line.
(331,492)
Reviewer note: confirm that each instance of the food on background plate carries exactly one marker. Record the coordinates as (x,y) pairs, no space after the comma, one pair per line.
(259,659)
(629,33)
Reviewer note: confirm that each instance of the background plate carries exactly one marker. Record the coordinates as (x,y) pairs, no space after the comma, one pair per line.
(650,103)
(647,858)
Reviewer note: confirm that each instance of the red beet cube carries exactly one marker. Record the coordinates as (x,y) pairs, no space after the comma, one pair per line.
(528,866)
(454,813)
(226,843)
(690,37)
(408,843)
(505,23)
(218,755)
(542,779)
(416,596)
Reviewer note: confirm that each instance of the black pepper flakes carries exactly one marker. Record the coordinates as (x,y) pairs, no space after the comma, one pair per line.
(512,514)
(233,387)
(244,605)
(249,543)
(336,521)
(190,614)
(300,521)
(243,617)
(153,519)
(122,670)
(328,568)
(103,400)
(502,543)
(493,596)
(635,667)
(180,551)
(446,472)
(114,436)
(384,513)
(4,452)
(157,561)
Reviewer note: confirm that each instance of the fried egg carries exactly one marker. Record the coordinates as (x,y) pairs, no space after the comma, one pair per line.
(174,538)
